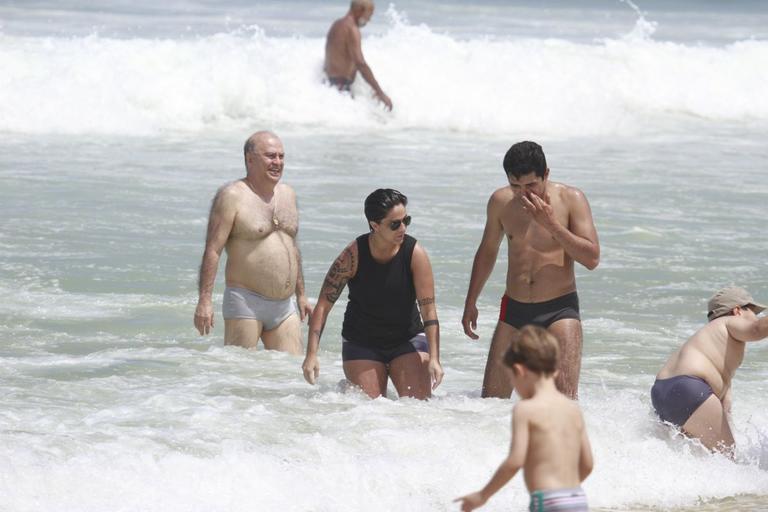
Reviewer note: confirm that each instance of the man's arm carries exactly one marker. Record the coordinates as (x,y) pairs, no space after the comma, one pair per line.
(424,282)
(746,329)
(518,451)
(342,270)
(579,238)
(220,222)
(356,51)
(482,266)
(727,401)
(305,308)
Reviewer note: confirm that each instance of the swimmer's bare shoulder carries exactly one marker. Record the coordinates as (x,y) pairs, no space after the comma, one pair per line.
(570,195)
(227,200)
(499,199)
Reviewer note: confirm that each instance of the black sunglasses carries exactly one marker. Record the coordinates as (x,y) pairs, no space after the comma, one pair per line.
(395,224)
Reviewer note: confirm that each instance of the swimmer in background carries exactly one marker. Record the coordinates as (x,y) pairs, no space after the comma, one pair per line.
(549,438)
(693,389)
(344,52)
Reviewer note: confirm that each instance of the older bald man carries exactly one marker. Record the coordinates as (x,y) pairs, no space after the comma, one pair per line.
(256,220)
(344,51)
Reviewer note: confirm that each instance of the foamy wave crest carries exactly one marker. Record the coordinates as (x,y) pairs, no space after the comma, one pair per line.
(244,78)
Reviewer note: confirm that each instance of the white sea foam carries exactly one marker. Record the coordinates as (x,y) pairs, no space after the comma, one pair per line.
(100,85)
(151,436)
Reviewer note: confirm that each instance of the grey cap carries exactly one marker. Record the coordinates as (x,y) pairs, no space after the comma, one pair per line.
(724,300)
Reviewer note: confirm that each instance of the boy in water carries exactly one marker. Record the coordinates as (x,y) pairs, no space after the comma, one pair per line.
(693,389)
(549,439)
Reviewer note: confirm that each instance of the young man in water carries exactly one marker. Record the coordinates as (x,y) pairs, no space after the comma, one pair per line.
(256,220)
(344,52)
(693,389)
(549,439)
(548,226)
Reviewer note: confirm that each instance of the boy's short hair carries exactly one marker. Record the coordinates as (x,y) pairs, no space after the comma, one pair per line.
(534,348)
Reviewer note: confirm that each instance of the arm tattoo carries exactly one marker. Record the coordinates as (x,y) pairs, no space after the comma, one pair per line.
(338,276)
(431,322)
(426,301)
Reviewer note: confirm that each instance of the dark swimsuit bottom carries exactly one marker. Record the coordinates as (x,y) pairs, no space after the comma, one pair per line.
(351,351)
(677,398)
(339,82)
(517,314)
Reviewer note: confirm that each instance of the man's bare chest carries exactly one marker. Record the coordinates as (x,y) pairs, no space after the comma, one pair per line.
(522,231)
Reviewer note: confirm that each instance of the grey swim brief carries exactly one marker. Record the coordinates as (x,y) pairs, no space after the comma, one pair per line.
(242,303)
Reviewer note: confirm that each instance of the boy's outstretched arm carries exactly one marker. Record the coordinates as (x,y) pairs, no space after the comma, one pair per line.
(585,455)
(517,452)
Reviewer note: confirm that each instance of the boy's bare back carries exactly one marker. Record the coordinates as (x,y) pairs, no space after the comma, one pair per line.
(556,441)
(549,440)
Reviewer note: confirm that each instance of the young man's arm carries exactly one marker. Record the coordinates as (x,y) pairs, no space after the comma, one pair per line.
(579,238)
(342,270)
(424,282)
(747,329)
(356,50)
(482,266)
(518,451)
(220,222)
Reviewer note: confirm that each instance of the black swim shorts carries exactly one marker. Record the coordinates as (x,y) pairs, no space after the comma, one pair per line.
(676,399)
(340,83)
(351,351)
(517,314)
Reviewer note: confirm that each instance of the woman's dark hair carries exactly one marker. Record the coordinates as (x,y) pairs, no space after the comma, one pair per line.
(524,158)
(380,201)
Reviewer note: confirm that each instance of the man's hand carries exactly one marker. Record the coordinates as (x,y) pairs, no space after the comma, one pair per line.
(305,308)
(540,210)
(470,501)
(469,320)
(311,368)
(435,372)
(204,317)
(385,100)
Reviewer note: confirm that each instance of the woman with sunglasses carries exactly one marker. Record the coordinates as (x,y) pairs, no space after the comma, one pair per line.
(385,335)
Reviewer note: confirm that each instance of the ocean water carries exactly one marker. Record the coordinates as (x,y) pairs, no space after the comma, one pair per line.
(120,119)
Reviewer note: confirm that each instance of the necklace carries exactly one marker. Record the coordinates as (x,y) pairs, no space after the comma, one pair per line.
(274,211)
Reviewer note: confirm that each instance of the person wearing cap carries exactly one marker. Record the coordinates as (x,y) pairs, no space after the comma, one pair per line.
(693,389)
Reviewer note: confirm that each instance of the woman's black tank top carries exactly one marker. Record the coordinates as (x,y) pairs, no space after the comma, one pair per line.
(381,309)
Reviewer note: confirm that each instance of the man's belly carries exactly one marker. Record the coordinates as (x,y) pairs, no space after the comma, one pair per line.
(696,364)
(540,286)
(539,271)
(267,266)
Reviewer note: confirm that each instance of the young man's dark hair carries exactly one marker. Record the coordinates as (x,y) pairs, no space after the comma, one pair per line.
(380,201)
(524,158)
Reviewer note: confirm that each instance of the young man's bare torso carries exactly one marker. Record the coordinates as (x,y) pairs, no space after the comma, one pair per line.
(548,227)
